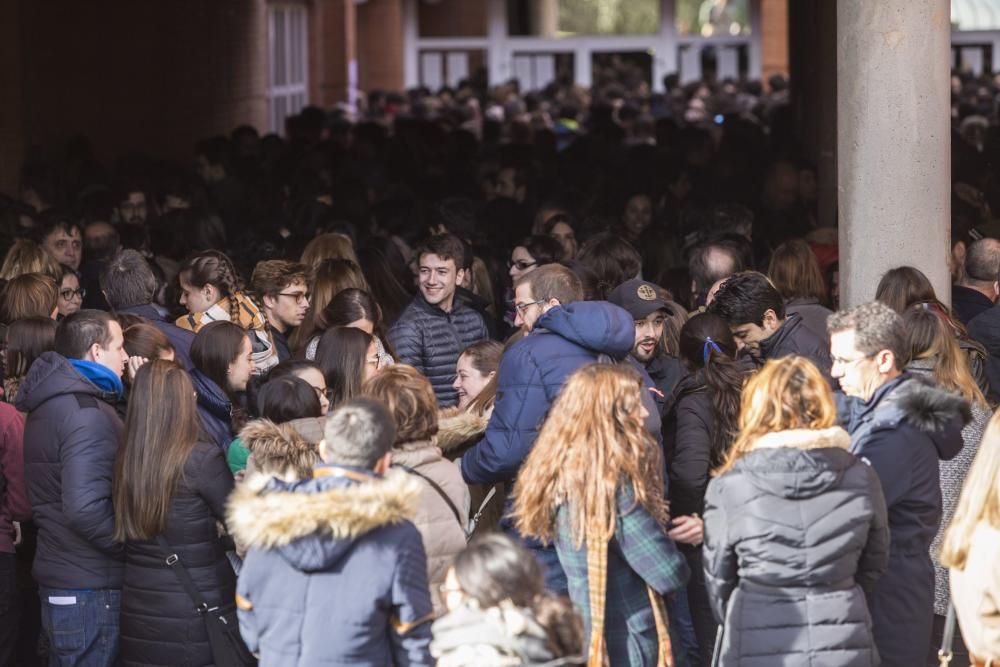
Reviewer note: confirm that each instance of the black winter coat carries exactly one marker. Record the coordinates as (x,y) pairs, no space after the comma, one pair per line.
(795,533)
(985,330)
(794,337)
(687,436)
(70,444)
(159,625)
(431,341)
(903,431)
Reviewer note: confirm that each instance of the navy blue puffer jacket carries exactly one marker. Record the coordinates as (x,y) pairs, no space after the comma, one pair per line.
(431,341)
(214,409)
(531,375)
(70,443)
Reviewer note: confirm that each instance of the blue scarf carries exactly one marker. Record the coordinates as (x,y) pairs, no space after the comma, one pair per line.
(100,376)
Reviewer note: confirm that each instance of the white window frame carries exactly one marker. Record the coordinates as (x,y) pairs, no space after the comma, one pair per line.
(287,71)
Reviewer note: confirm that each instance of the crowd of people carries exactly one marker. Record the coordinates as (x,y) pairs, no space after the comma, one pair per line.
(491,379)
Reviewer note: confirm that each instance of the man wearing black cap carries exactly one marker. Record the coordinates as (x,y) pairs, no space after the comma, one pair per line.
(645,302)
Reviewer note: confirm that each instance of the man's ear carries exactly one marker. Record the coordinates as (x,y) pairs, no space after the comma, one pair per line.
(885,361)
(269,301)
(770,319)
(460,276)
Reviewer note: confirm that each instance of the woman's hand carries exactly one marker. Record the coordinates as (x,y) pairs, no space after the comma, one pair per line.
(133,366)
(687,529)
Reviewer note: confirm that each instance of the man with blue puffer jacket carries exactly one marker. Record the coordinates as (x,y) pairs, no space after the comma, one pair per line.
(564,334)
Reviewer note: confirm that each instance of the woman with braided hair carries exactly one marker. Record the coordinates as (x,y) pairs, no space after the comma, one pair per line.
(212,291)
(593,485)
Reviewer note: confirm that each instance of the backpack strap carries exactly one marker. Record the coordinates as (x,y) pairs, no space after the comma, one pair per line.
(441,492)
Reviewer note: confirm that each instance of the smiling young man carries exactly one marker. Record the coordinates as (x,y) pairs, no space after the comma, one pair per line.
(432,331)
(901,426)
(755,312)
(283,290)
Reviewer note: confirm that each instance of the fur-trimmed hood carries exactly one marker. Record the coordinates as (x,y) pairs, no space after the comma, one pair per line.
(280,449)
(804,438)
(457,427)
(798,463)
(910,399)
(314,522)
(931,408)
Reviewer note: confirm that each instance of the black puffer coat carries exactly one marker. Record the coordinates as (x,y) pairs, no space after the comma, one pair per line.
(793,534)
(70,443)
(431,341)
(903,431)
(158,623)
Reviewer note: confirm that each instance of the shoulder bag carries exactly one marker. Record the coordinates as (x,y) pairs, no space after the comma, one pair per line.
(228,648)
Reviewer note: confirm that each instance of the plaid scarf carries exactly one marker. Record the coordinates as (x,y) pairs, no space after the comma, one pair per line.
(597,583)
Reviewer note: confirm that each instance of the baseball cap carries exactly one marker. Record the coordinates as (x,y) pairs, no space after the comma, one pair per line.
(639,298)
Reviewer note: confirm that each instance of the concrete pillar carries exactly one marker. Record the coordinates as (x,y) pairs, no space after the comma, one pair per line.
(411,33)
(497,56)
(894,142)
(545,17)
(665,58)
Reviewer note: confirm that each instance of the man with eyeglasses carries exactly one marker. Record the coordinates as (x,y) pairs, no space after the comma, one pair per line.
(902,427)
(564,333)
(282,288)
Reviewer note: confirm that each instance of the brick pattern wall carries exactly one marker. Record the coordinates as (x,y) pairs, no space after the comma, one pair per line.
(774,38)
(380,45)
(154,76)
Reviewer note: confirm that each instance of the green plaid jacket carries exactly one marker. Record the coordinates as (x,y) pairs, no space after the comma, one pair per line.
(639,554)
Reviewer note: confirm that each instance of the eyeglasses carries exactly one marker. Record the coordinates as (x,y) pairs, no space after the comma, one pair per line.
(298,296)
(68,294)
(840,361)
(521,307)
(326,392)
(521,264)
(375,361)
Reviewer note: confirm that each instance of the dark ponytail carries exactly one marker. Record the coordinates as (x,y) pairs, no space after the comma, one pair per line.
(709,351)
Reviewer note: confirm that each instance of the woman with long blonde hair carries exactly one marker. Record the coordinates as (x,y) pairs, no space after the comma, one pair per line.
(796,529)
(936,355)
(972,550)
(593,485)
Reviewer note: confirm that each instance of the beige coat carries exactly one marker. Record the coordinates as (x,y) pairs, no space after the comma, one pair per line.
(976,594)
(443,535)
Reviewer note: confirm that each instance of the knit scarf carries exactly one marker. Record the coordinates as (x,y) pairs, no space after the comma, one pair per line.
(100,376)
(250,319)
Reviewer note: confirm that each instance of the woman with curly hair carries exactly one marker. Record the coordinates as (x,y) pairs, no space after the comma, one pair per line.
(593,485)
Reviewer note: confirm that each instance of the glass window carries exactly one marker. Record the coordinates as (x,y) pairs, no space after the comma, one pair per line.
(713,18)
(287,51)
(569,18)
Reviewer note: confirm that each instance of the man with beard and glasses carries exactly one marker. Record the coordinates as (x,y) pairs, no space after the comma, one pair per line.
(647,305)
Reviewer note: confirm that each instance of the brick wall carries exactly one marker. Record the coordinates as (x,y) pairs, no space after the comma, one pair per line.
(154,76)
(380,45)
(774,38)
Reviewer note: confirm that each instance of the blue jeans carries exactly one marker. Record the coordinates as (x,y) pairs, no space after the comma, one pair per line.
(682,636)
(82,626)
